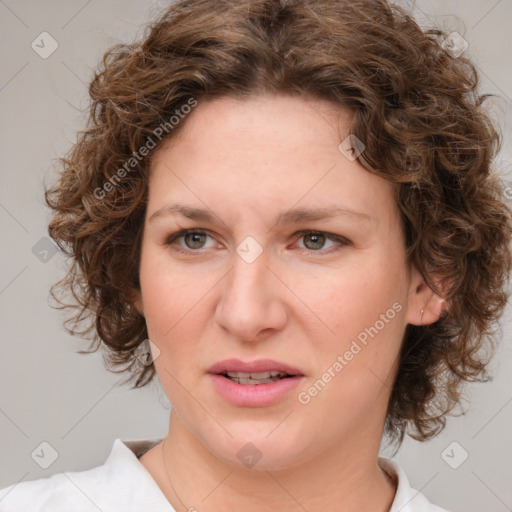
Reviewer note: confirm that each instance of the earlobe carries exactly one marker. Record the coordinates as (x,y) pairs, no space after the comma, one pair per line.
(432,310)
(425,306)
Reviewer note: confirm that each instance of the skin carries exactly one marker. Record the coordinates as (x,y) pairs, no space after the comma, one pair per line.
(247,161)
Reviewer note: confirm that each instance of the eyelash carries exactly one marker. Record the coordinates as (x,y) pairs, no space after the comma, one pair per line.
(329,236)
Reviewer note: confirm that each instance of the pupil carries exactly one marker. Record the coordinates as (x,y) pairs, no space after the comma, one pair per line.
(317,240)
(194,240)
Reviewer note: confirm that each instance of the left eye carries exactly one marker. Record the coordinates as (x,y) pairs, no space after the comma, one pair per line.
(314,241)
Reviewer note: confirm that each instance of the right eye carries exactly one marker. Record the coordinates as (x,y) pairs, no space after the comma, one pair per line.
(194,240)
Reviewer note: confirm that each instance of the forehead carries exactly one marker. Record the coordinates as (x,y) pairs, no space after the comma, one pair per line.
(265,154)
(275,118)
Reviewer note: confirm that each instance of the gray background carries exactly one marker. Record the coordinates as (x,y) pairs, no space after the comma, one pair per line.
(48,391)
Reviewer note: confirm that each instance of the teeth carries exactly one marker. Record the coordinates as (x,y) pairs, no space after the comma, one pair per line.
(255,378)
(253,382)
(260,375)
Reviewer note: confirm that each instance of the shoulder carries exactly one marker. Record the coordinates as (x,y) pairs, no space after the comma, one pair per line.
(406,499)
(55,493)
(121,483)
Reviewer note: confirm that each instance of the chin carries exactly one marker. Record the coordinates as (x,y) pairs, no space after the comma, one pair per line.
(254,448)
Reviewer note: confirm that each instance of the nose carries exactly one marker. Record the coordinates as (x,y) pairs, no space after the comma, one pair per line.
(251,301)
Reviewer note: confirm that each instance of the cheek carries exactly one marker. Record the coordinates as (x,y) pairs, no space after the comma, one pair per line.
(168,295)
(346,301)
(177,313)
(175,317)
(363,307)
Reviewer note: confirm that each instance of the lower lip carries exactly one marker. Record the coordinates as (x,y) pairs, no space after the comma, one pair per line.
(254,395)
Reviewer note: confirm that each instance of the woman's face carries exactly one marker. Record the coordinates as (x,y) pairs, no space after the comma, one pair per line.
(252,178)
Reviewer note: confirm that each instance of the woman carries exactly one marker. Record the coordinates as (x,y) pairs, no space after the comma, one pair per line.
(294,203)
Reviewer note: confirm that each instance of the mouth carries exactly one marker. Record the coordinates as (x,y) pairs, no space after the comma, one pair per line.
(254,384)
(260,371)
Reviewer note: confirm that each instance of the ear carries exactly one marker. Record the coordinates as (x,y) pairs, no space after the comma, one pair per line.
(136,301)
(424,306)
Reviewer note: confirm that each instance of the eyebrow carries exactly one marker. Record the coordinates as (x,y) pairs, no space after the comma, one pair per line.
(292,216)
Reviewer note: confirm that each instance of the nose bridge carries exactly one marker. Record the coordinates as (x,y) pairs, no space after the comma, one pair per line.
(249,299)
(248,281)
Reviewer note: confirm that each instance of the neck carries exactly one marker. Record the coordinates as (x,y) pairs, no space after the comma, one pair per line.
(346,478)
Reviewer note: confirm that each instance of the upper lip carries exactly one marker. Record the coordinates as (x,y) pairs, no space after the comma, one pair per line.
(260,365)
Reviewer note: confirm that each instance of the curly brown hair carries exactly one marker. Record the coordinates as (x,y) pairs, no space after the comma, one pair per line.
(415,106)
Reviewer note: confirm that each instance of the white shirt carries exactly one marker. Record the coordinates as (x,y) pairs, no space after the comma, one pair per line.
(122,483)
